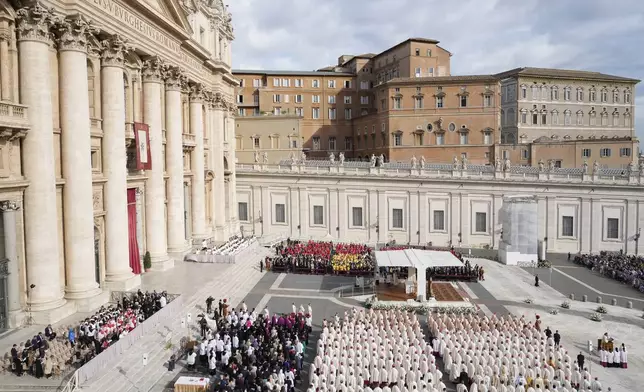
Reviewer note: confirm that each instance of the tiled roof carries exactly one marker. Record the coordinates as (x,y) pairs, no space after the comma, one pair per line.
(237,72)
(442,79)
(563,74)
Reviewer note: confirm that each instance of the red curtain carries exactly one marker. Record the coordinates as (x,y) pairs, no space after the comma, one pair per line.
(135,257)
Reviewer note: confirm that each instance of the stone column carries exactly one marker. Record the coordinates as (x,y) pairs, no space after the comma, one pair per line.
(41,217)
(155,222)
(174,81)
(136,97)
(219,189)
(118,273)
(198,164)
(9,211)
(232,162)
(5,72)
(78,209)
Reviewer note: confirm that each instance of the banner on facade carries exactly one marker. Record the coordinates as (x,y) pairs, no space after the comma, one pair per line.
(142,140)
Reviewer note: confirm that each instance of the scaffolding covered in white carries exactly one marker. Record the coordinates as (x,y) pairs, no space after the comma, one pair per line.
(519,217)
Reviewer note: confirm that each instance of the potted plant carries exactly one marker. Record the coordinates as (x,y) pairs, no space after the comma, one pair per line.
(147,261)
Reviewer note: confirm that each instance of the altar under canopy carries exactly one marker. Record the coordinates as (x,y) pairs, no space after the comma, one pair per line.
(417,261)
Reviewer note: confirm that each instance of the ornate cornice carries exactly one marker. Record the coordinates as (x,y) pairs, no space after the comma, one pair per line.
(74,33)
(9,205)
(153,70)
(175,79)
(114,50)
(34,23)
(197,93)
(218,101)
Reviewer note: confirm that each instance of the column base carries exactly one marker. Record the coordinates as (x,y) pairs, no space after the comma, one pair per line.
(16,318)
(126,284)
(178,253)
(161,262)
(51,316)
(90,304)
(221,234)
(82,294)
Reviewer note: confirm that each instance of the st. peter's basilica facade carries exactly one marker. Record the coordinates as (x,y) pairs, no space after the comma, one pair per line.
(115,122)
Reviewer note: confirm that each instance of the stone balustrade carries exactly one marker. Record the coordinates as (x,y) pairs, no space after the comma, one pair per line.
(604,176)
(14,115)
(189,140)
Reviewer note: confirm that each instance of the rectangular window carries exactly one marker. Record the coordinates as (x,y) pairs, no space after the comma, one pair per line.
(315,113)
(418,72)
(364,85)
(286,82)
(554,120)
(439,220)
(625,152)
(318,215)
(256,142)
(487,138)
(356,216)
(299,112)
(397,218)
(277,98)
(280,213)
(487,101)
(332,142)
(276,82)
(316,142)
(535,119)
(240,99)
(286,98)
(439,102)
(398,139)
(347,114)
(558,163)
(257,83)
(331,84)
(347,100)
(315,99)
(347,84)
(277,111)
(585,153)
(298,98)
(298,83)
(397,103)
(524,118)
(544,118)
(463,101)
(604,152)
(418,103)
(242,211)
(612,228)
(464,138)
(440,139)
(332,114)
(567,226)
(331,99)
(364,100)
(348,143)
(525,154)
(315,83)
(481,222)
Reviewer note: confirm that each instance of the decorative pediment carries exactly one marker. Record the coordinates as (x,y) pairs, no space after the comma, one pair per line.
(488,91)
(397,95)
(418,95)
(440,94)
(173,10)
(463,92)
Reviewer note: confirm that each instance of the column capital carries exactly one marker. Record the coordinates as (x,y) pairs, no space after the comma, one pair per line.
(35,22)
(197,93)
(175,78)
(74,33)
(114,50)
(9,205)
(153,69)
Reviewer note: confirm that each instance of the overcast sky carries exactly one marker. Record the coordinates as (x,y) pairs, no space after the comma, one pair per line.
(484,36)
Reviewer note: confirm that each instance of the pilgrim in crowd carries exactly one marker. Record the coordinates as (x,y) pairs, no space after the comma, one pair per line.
(464,272)
(314,257)
(506,354)
(247,350)
(624,268)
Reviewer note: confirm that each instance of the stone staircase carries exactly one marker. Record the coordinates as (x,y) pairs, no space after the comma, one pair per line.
(129,374)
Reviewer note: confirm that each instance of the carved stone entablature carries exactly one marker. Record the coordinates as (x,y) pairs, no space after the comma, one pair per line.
(35,23)
(12,134)
(188,148)
(97,198)
(197,93)
(74,33)
(115,49)
(218,101)
(175,78)
(153,70)
(9,205)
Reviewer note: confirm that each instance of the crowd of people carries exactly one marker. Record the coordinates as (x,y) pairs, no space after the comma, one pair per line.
(243,349)
(76,346)
(627,269)
(315,257)
(463,273)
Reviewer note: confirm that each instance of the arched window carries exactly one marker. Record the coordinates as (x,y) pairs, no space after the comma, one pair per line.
(90,89)
(615,118)
(627,96)
(593,117)
(580,117)
(535,92)
(567,118)
(616,96)
(604,118)
(580,94)
(567,94)
(554,117)
(627,119)
(554,93)
(592,94)
(544,93)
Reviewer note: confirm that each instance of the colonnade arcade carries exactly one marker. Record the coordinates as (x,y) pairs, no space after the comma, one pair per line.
(88,213)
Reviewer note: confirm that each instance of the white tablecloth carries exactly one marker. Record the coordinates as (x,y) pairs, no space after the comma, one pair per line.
(189,384)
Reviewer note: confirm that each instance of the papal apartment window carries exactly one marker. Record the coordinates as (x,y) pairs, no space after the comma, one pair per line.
(627,97)
(294,143)
(487,101)
(256,143)
(554,93)
(524,92)
(331,99)
(347,114)
(592,95)
(615,96)
(567,94)
(280,213)
(242,211)
(332,114)
(315,113)
(524,117)
(316,142)
(418,103)
(544,118)
(356,216)
(347,100)
(318,215)
(440,139)
(535,92)
(585,153)
(580,94)
(612,228)
(398,139)
(604,95)
(397,103)
(332,143)
(397,218)
(567,226)
(480,222)
(567,119)
(439,102)
(625,152)
(439,220)
(463,101)
(464,138)
(604,152)
(487,137)
(348,143)
(331,84)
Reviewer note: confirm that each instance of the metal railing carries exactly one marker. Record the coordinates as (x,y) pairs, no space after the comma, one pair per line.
(72,384)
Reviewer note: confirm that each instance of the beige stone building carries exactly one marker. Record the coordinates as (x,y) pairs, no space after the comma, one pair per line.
(267,139)
(404,102)
(117,139)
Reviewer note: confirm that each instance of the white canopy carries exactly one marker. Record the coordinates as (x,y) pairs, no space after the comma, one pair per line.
(416,258)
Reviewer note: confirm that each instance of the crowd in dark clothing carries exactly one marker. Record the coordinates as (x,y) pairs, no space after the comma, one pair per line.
(623,268)
(465,272)
(245,351)
(314,257)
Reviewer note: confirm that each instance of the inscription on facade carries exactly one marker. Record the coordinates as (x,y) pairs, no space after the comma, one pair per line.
(124,15)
